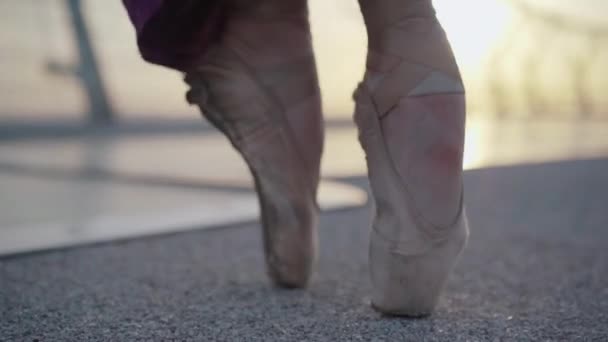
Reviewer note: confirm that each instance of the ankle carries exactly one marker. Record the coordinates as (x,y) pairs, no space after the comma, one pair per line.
(379,15)
(263,43)
(419,42)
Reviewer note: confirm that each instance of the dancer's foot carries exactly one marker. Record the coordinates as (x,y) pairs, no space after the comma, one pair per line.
(258,85)
(410,114)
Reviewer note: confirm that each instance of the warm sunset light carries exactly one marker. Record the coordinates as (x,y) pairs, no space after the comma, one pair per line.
(473,26)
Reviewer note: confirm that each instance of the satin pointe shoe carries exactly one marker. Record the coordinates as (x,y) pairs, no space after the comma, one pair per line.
(258,85)
(410,112)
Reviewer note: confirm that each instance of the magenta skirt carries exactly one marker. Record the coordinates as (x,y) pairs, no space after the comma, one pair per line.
(175,33)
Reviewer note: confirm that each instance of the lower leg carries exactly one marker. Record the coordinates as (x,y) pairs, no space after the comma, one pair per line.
(411,114)
(409,51)
(259,86)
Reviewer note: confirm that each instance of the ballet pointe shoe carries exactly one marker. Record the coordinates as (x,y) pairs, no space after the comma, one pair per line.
(410,113)
(258,85)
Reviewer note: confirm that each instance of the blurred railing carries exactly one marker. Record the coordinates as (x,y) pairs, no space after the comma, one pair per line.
(546,64)
(551,48)
(100,110)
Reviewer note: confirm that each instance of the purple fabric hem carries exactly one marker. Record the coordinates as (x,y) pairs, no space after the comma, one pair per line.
(140,11)
(175,33)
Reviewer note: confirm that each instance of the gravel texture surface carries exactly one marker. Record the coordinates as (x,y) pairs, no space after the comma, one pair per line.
(536,269)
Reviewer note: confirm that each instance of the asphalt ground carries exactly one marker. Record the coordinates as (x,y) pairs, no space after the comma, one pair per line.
(535,270)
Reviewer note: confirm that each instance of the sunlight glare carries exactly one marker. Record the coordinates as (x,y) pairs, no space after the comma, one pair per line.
(473,26)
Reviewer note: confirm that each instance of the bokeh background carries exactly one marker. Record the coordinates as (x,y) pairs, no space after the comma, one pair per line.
(520,59)
(94,138)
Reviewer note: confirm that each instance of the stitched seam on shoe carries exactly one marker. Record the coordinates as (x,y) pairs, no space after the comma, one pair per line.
(395,246)
(461,200)
(288,139)
(436,232)
(388,112)
(404,184)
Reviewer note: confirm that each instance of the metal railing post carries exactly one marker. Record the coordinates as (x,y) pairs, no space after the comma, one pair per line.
(100,109)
